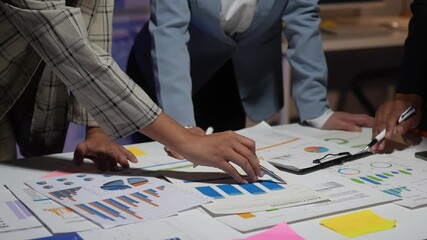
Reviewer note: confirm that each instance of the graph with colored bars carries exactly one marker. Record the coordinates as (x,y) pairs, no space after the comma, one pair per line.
(386,176)
(18,210)
(221,191)
(122,206)
(110,199)
(65,193)
(16,221)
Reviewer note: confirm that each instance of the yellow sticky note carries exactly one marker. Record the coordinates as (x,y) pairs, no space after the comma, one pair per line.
(358,223)
(136,151)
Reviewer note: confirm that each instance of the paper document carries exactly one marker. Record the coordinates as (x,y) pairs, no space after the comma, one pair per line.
(343,196)
(356,140)
(189,225)
(230,197)
(16,221)
(116,198)
(57,218)
(404,179)
(290,151)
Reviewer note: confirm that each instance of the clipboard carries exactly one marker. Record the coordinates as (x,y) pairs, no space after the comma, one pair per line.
(325,164)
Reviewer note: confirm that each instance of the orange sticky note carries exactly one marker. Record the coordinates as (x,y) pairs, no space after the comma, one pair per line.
(278,232)
(358,223)
(136,151)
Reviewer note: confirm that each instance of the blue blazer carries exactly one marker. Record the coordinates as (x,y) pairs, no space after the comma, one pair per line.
(183,45)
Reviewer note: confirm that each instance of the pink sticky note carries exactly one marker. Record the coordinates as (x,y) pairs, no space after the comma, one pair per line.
(278,232)
(69,169)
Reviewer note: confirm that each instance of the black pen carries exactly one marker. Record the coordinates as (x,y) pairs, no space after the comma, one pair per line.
(405,115)
(273,175)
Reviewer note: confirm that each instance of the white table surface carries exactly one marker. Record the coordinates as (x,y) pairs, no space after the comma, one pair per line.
(411,224)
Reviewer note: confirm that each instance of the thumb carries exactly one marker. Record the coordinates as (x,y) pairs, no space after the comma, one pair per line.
(80,153)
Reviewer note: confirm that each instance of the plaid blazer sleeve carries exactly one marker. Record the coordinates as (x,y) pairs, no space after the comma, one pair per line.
(59,35)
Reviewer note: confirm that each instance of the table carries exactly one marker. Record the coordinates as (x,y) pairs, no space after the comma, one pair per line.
(410,223)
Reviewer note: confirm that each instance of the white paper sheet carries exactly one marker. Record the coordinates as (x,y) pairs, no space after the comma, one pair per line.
(343,196)
(188,225)
(291,151)
(16,221)
(113,199)
(57,218)
(404,179)
(230,197)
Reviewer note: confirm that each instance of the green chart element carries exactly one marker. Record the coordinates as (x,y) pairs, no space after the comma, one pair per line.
(339,141)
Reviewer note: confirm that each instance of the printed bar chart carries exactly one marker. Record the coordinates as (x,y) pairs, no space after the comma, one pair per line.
(221,191)
(66,193)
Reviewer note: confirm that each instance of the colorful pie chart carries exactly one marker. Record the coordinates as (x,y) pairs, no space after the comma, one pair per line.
(316,149)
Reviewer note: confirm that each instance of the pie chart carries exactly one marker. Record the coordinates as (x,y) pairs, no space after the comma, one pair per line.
(316,149)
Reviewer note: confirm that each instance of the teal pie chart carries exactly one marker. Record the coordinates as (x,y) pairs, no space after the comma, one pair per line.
(316,149)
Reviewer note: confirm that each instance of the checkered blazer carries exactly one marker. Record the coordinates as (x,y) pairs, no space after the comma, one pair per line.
(73,42)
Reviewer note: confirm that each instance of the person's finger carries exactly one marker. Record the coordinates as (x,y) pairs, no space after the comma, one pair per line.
(248,161)
(390,124)
(243,163)
(360,119)
(347,126)
(380,119)
(79,153)
(123,160)
(173,154)
(230,170)
(129,155)
(101,161)
(248,151)
(381,146)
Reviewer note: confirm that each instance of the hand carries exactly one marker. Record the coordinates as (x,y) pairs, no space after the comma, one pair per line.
(348,121)
(100,149)
(174,154)
(388,113)
(216,150)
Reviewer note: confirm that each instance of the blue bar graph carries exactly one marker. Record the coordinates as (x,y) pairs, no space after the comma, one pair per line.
(396,191)
(152,192)
(271,185)
(381,176)
(230,189)
(370,180)
(252,188)
(209,191)
(66,193)
(116,204)
(93,211)
(128,200)
(106,209)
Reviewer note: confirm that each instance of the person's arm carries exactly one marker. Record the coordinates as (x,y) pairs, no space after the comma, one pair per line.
(59,35)
(112,98)
(412,85)
(216,150)
(306,57)
(309,70)
(168,27)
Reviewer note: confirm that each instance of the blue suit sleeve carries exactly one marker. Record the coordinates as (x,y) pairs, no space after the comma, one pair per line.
(306,57)
(168,28)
